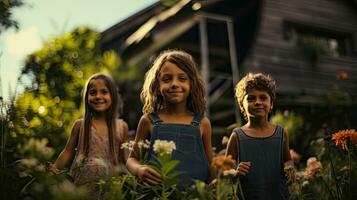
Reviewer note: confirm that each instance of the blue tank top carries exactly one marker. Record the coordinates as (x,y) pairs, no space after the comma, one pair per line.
(266,179)
(189,148)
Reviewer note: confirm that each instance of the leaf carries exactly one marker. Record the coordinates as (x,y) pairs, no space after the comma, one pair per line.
(169,166)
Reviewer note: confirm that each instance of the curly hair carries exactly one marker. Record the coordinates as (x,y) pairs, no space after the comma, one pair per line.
(256,81)
(150,95)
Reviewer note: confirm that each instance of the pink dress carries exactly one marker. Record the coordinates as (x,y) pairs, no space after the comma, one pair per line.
(98,165)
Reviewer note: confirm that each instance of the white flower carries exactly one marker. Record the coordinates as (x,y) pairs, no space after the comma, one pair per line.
(164,147)
(230,172)
(38,147)
(225,140)
(100,162)
(29,162)
(144,144)
(67,188)
(305,183)
(128,145)
(40,168)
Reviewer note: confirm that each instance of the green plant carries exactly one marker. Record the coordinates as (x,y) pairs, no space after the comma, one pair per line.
(290,121)
(311,47)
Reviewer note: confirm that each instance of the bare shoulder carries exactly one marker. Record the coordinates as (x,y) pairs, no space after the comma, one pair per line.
(121,122)
(205,122)
(145,126)
(122,126)
(145,120)
(233,136)
(206,126)
(231,148)
(77,124)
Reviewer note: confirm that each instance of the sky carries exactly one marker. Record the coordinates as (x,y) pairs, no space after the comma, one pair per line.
(39,20)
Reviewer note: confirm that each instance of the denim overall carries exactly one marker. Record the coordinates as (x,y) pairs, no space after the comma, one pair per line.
(265,180)
(189,148)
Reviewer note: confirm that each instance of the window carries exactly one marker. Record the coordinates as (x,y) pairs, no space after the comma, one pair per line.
(314,41)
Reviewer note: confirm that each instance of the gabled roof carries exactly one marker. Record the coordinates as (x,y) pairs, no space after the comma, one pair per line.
(158,25)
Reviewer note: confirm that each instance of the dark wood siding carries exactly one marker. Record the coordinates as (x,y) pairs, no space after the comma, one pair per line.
(276,55)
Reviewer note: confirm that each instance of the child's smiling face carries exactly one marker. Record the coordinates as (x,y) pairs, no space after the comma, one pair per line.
(257,104)
(99,98)
(174,84)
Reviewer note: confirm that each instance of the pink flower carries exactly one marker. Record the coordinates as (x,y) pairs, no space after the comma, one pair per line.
(313,168)
(295,156)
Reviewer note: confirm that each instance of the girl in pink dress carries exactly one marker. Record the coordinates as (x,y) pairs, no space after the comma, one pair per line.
(94,144)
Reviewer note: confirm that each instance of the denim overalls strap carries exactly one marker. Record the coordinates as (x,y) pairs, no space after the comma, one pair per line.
(189,147)
(265,179)
(155,119)
(196,120)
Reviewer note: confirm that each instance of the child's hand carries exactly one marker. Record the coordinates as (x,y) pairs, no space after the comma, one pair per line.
(289,170)
(51,169)
(243,168)
(149,175)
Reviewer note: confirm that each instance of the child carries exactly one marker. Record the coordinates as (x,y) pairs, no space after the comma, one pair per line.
(174,105)
(261,148)
(95,140)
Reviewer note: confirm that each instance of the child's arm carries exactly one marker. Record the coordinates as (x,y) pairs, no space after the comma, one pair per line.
(69,150)
(232,149)
(144,172)
(124,153)
(288,162)
(207,142)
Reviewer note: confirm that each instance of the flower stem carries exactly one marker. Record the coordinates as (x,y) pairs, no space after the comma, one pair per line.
(349,172)
(240,188)
(334,173)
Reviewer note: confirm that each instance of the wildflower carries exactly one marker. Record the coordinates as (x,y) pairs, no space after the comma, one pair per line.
(128,145)
(288,168)
(343,137)
(29,162)
(144,144)
(305,183)
(301,176)
(67,190)
(314,167)
(164,147)
(38,148)
(295,156)
(342,75)
(224,162)
(230,172)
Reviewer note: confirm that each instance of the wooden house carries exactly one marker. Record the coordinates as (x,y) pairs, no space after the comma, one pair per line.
(309,47)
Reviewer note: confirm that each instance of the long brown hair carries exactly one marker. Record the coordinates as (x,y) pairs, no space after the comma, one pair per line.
(111,114)
(150,97)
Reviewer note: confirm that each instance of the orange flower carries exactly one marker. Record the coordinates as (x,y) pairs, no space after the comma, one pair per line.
(224,162)
(342,138)
(342,75)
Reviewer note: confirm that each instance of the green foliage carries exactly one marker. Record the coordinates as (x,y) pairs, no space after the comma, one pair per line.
(312,47)
(52,100)
(290,121)
(333,178)
(166,167)
(6,9)
(58,73)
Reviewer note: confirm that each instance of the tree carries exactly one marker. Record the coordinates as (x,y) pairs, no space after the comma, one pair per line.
(52,100)
(6,8)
